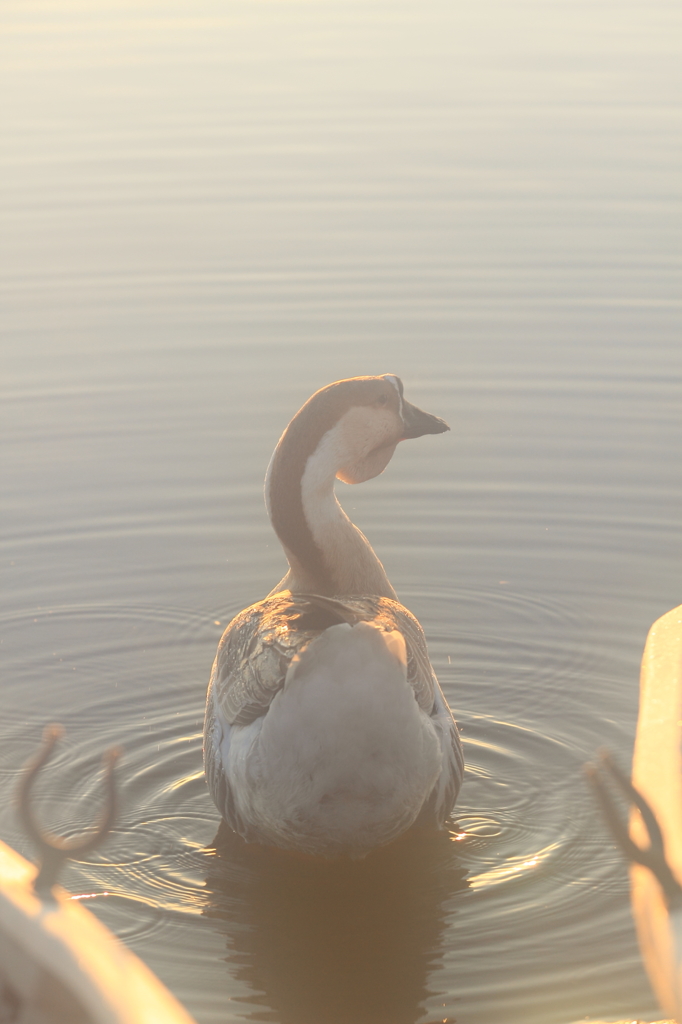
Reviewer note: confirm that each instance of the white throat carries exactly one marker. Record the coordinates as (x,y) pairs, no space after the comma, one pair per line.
(351,564)
(347,553)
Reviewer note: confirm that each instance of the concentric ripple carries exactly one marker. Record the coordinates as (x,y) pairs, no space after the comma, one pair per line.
(525,843)
(116,677)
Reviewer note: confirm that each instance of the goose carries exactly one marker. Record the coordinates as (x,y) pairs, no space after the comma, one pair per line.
(326,730)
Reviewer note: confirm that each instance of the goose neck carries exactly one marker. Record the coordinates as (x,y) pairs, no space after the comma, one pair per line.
(326,552)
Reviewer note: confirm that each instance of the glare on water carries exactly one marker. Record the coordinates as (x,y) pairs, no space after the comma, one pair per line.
(210,210)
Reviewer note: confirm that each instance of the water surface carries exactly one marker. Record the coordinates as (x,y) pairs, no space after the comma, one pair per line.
(210,210)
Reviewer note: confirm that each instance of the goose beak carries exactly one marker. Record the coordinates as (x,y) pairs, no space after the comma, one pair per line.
(417,422)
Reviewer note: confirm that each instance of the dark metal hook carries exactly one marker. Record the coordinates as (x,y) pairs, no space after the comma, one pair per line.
(651,856)
(54,850)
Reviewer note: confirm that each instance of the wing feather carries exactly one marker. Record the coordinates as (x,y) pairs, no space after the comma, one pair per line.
(258,645)
(251,666)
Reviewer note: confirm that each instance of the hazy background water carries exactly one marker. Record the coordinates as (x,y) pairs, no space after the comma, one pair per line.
(209,210)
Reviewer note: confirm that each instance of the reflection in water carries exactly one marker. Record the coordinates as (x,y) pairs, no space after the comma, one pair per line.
(337,941)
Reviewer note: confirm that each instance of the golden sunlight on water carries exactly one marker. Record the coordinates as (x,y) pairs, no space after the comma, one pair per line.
(209,211)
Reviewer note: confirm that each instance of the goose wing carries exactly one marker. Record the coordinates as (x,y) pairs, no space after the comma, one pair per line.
(251,666)
(388,615)
(258,645)
(253,657)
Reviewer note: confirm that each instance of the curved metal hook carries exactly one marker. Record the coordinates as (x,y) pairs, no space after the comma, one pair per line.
(651,856)
(53,850)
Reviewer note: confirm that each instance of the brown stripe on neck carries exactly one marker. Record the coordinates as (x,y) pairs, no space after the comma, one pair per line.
(298,442)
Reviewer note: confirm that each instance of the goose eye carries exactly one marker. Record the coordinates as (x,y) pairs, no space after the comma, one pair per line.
(382,399)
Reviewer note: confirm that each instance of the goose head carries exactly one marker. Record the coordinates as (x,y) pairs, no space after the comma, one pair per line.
(378,418)
(358,423)
(347,430)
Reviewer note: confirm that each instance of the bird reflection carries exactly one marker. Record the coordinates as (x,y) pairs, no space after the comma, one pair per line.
(334,942)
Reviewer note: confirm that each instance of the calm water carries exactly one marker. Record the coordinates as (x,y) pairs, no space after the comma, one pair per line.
(209,210)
